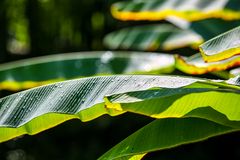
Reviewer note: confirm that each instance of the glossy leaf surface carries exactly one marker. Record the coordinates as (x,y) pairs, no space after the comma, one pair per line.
(191,10)
(44,70)
(205,112)
(196,65)
(152,38)
(38,109)
(164,134)
(222,47)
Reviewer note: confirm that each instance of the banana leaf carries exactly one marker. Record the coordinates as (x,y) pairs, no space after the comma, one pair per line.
(82,98)
(152,38)
(210,118)
(221,47)
(196,65)
(190,10)
(38,109)
(167,133)
(178,102)
(162,37)
(34,72)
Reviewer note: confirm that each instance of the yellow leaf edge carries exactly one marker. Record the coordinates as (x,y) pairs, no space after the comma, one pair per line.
(185,67)
(195,15)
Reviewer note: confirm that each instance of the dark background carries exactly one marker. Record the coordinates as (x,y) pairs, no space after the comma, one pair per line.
(30,28)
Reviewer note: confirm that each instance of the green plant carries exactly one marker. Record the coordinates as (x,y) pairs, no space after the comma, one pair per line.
(185,109)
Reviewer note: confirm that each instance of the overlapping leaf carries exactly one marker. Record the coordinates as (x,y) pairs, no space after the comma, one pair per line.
(35,110)
(196,65)
(164,134)
(219,53)
(191,10)
(166,36)
(208,107)
(152,38)
(222,47)
(44,70)
(178,102)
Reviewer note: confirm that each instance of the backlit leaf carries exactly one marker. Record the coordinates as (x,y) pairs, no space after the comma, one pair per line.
(203,112)
(222,47)
(32,72)
(191,10)
(152,38)
(196,65)
(35,110)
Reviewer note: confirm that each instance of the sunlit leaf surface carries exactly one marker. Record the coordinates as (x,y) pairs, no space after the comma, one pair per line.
(178,102)
(44,70)
(204,112)
(152,38)
(164,134)
(191,10)
(38,109)
(222,47)
(196,65)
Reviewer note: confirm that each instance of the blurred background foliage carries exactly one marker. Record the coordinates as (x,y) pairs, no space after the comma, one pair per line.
(37,27)
(30,28)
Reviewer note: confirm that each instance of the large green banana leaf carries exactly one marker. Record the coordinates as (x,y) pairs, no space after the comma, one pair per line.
(35,110)
(222,47)
(191,10)
(206,112)
(152,38)
(167,133)
(38,109)
(38,71)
